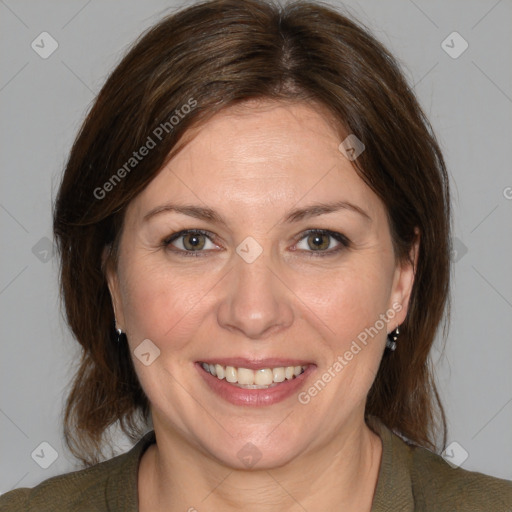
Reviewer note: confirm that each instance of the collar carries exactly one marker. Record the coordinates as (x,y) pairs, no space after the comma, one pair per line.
(394,486)
(121,491)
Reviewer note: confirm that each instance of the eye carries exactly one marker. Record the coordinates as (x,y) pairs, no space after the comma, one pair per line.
(320,241)
(317,242)
(190,241)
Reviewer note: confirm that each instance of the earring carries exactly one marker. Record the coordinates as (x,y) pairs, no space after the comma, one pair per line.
(392,337)
(119,332)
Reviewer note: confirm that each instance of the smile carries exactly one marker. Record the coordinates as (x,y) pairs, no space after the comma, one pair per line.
(253,382)
(260,378)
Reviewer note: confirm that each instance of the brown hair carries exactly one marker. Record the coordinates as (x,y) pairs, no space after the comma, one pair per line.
(216,54)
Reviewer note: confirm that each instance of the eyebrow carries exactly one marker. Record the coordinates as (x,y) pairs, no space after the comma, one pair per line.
(296,215)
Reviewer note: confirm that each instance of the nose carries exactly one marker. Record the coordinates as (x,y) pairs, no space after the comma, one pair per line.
(256,300)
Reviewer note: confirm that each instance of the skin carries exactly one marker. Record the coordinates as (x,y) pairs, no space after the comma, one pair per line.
(252,164)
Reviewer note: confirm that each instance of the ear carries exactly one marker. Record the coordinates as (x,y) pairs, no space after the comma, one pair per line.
(403,282)
(111,275)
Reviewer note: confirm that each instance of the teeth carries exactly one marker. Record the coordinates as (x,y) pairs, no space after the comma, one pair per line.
(219,370)
(263,377)
(255,379)
(245,376)
(278,374)
(231,374)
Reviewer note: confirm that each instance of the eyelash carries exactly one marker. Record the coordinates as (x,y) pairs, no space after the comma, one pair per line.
(344,242)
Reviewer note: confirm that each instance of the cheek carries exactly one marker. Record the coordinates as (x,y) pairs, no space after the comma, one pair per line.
(349,299)
(350,304)
(161,304)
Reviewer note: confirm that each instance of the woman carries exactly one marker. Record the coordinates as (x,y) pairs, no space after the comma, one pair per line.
(254,232)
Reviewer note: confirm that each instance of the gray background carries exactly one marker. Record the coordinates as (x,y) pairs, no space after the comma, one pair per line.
(43,101)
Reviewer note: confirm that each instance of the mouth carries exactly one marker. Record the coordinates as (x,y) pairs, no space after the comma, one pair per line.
(260,378)
(254,383)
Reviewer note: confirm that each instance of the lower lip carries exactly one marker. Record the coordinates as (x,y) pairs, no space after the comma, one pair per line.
(254,397)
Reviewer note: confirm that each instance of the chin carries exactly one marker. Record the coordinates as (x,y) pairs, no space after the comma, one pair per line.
(253,453)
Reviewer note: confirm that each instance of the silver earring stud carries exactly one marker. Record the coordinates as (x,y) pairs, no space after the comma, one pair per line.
(392,337)
(119,332)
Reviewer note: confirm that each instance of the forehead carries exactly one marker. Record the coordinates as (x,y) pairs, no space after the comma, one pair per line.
(261,156)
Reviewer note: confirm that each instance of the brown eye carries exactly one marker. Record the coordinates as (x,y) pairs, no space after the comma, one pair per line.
(189,242)
(318,241)
(321,242)
(193,241)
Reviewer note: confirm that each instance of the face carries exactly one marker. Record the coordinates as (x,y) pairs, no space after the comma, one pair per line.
(239,281)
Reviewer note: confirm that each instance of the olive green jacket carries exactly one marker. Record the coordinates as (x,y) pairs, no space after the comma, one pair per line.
(411,479)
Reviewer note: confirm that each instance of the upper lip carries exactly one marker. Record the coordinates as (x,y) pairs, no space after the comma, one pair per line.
(255,364)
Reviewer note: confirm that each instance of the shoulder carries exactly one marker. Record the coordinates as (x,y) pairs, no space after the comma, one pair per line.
(414,478)
(437,484)
(109,485)
(78,490)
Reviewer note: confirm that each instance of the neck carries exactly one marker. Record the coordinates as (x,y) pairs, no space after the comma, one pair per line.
(340,475)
